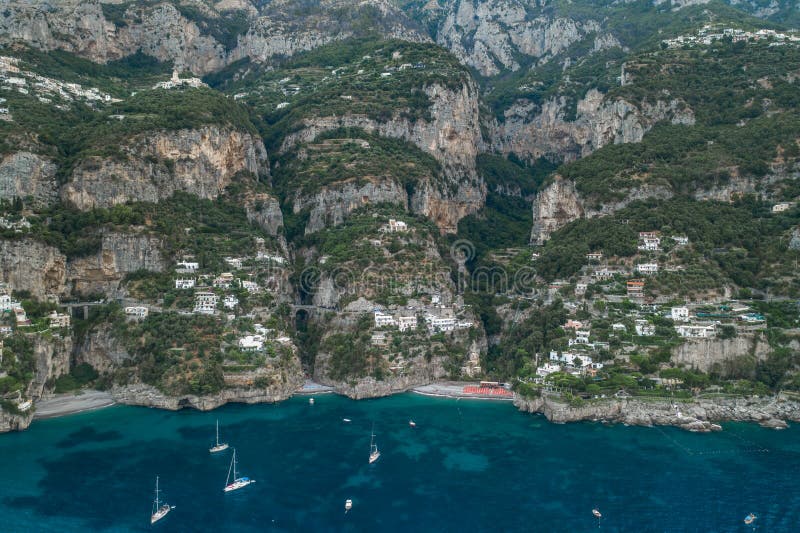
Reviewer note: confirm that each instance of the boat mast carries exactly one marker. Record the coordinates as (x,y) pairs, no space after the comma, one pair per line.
(217,431)
(233,461)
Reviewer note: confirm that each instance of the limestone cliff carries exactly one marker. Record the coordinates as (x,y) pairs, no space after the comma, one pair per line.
(101,349)
(23,175)
(199,161)
(713,354)
(31,266)
(287,27)
(452,137)
(559,203)
(533,131)
(492,36)
(120,254)
(159,30)
(332,204)
(53,359)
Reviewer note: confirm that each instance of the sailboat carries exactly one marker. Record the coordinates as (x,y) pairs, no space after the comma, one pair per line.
(238,482)
(159,510)
(348,504)
(219,446)
(374,454)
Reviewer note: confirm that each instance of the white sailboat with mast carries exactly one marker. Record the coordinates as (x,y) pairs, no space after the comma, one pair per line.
(160,510)
(238,482)
(219,446)
(374,454)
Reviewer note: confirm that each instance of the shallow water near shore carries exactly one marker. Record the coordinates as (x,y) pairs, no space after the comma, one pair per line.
(467,466)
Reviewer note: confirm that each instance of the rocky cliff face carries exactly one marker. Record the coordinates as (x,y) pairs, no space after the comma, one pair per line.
(452,136)
(23,175)
(264,211)
(120,254)
(101,349)
(713,354)
(332,204)
(287,27)
(560,203)
(168,33)
(53,357)
(31,266)
(534,131)
(200,161)
(159,30)
(492,36)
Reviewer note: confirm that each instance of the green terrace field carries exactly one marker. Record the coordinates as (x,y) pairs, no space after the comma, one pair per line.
(351,155)
(361,76)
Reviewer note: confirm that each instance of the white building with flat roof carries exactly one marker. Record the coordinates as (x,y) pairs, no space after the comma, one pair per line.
(696,331)
(205,303)
(645,328)
(679,314)
(251,343)
(647,268)
(384,320)
(187,266)
(184,283)
(407,322)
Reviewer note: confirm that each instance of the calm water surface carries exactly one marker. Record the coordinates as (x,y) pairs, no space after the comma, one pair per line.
(467,466)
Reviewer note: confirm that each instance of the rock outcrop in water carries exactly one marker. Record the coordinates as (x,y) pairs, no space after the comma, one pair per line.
(699,415)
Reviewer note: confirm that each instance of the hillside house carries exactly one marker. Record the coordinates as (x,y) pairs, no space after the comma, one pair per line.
(679,314)
(647,268)
(407,322)
(384,320)
(635,288)
(230,301)
(594,256)
(137,312)
(781,207)
(205,303)
(187,266)
(59,320)
(644,328)
(184,283)
(693,331)
(251,343)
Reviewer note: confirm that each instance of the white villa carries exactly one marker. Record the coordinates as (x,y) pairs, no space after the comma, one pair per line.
(696,331)
(382,320)
(407,322)
(647,268)
(679,314)
(184,283)
(644,328)
(205,303)
(230,301)
(251,343)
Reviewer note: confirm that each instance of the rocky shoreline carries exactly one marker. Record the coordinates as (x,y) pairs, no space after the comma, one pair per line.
(698,415)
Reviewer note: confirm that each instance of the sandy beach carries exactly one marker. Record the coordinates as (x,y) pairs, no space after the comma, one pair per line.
(455,389)
(67,404)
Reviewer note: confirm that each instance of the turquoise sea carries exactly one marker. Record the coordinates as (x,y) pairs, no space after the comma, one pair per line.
(467,466)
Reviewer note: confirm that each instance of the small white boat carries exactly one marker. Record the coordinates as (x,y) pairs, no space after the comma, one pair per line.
(160,510)
(348,504)
(218,446)
(596,513)
(412,423)
(749,519)
(374,454)
(311,401)
(346,420)
(238,482)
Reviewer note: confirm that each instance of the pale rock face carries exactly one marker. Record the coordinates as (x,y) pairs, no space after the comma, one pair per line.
(23,174)
(31,266)
(554,207)
(101,349)
(713,354)
(543,131)
(203,161)
(52,358)
(488,35)
(80,27)
(264,211)
(332,204)
(120,254)
(453,137)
